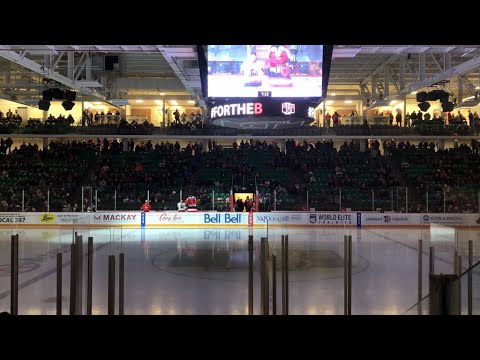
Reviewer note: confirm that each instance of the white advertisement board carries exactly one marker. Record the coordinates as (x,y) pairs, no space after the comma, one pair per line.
(235,219)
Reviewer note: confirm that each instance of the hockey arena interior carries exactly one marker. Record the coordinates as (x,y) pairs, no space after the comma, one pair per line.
(239,179)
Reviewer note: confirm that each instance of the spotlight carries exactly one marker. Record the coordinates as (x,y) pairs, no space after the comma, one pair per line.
(424,106)
(68,105)
(422,96)
(447,106)
(47,95)
(58,93)
(441,95)
(44,105)
(70,95)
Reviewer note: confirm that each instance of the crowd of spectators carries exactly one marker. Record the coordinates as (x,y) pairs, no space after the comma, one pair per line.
(282,177)
(30,172)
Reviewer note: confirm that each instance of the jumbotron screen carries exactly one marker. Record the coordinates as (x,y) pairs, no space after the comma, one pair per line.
(277,71)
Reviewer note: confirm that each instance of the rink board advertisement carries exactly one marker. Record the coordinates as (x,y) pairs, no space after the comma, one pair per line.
(401,219)
(138,219)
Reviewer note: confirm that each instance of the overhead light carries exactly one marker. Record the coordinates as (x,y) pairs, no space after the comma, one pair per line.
(333,94)
(173,102)
(191,101)
(47,95)
(413,93)
(44,105)
(158,102)
(424,106)
(162,94)
(393,102)
(68,105)
(97,103)
(70,95)
(329,102)
(348,101)
(477,88)
(139,101)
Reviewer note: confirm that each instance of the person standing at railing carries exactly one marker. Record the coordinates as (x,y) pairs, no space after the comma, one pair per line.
(407,119)
(470,118)
(191,203)
(177,116)
(8,145)
(181,206)
(146,207)
(84,117)
(336,119)
(327,119)
(398,118)
(420,116)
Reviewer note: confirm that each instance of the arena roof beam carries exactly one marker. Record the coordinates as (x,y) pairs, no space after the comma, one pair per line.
(402,73)
(389,74)
(170,55)
(436,62)
(468,84)
(461,69)
(39,49)
(390,60)
(80,66)
(414,74)
(57,61)
(421,66)
(39,69)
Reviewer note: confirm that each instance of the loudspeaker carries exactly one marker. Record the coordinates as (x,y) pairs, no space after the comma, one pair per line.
(47,95)
(70,95)
(422,96)
(57,93)
(441,95)
(68,105)
(447,106)
(424,106)
(44,105)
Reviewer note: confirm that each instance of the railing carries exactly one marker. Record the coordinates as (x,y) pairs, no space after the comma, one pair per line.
(109,125)
(130,196)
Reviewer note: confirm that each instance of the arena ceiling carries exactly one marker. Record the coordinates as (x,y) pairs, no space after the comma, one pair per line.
(171,72)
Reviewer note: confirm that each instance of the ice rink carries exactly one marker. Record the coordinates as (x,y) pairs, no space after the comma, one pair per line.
(204,271)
